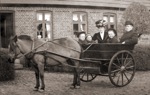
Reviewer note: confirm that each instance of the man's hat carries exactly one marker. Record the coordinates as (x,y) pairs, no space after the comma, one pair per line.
(79,33)
(100,23)
(128,23)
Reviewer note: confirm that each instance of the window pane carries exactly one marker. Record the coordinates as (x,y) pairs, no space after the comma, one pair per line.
(39,31)
(82,17)
(111,26)
(75,27)
(48,30)
(75,17)
(105,18)
(47,16)
(48,27)
(82,27)
(39,16)
(112,19)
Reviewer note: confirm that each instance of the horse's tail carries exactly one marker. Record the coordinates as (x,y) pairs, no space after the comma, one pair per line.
(70,63)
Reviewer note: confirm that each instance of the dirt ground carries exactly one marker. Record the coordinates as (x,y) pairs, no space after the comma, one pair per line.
(59,84)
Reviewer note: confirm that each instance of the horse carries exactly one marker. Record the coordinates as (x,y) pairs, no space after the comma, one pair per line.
(41,57)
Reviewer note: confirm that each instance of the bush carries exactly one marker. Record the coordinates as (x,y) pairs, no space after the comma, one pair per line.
(139,15)
(7,71)
(142,55)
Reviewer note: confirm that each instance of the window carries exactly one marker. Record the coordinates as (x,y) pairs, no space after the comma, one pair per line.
(79,21)
(110,18)
(44,25)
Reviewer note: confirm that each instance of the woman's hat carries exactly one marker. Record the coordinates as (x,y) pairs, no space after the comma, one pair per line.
(100,23)
(128,23)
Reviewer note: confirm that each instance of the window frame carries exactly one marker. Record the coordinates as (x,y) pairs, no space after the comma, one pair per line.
(79,22)
(44,22)
(108,15)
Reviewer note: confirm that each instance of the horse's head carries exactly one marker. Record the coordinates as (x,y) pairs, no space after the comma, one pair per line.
(13,48)
(19,44)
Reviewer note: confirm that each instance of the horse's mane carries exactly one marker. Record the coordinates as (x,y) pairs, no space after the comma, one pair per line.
(24,37)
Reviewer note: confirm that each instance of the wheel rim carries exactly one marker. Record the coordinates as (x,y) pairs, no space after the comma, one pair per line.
(86,77)
(121,68)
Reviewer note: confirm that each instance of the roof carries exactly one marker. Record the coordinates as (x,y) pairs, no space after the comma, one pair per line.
(90,3)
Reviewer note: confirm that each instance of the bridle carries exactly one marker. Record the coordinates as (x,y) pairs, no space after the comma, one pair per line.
(17,55)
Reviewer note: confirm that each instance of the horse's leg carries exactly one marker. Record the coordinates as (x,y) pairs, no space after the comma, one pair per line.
(41,71)
(40,60)
(76,72)
(74,79)
(37,79)
(77,78)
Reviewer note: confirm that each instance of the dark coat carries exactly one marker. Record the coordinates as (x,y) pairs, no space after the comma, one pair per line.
(82,42)
(112,40)
(99,39)
(129,38)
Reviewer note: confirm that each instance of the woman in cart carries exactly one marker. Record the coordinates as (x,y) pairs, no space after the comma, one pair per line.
(101,36)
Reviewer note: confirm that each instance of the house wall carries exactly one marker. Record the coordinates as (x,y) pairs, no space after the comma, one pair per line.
(94,3)
(25,19)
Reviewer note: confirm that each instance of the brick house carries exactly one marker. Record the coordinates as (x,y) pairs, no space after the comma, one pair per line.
(58,18)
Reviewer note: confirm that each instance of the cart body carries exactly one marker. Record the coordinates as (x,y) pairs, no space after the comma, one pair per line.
(113,60)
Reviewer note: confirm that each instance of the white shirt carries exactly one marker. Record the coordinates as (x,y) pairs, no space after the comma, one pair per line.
(102,35)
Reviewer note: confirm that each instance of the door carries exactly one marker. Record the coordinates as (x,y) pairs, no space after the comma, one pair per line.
(6,28)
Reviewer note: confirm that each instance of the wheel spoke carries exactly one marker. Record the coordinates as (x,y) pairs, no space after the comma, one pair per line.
(126,58)
(126,76)
(118,61)
(87,76)
(115,71)
(128,63)
(122,59)
(92,76)
(122,77)
(130,67)
(128,72)
(118,79)
(116,65)
(83,75)
(115,75)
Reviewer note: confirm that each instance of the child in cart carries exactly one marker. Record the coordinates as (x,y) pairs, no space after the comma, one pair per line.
(112,36)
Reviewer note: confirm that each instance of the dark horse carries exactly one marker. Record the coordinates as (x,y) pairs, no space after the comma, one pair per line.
(24,44)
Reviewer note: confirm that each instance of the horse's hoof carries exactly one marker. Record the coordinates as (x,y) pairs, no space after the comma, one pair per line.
(77,87)
(41,90)
(72,87)
(35,89)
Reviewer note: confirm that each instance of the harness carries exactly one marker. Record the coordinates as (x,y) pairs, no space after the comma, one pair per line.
(30,54)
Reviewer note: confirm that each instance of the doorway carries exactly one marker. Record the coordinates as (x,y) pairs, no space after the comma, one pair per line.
(6,29)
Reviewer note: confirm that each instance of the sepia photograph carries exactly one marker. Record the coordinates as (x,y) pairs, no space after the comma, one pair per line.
(74,47)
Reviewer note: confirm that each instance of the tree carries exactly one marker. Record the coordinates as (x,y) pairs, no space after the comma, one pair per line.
(139,15)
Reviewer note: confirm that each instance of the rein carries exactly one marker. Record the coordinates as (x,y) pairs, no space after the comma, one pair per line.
(65,46)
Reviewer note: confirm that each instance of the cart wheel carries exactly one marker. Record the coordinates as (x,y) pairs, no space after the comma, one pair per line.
(121,68)
(87,77)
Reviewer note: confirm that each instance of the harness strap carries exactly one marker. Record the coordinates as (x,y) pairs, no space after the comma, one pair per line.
(87,47)
(32,48)
(65,46)
(53,59)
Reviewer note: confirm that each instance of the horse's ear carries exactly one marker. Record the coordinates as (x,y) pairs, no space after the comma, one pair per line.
(15,38)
